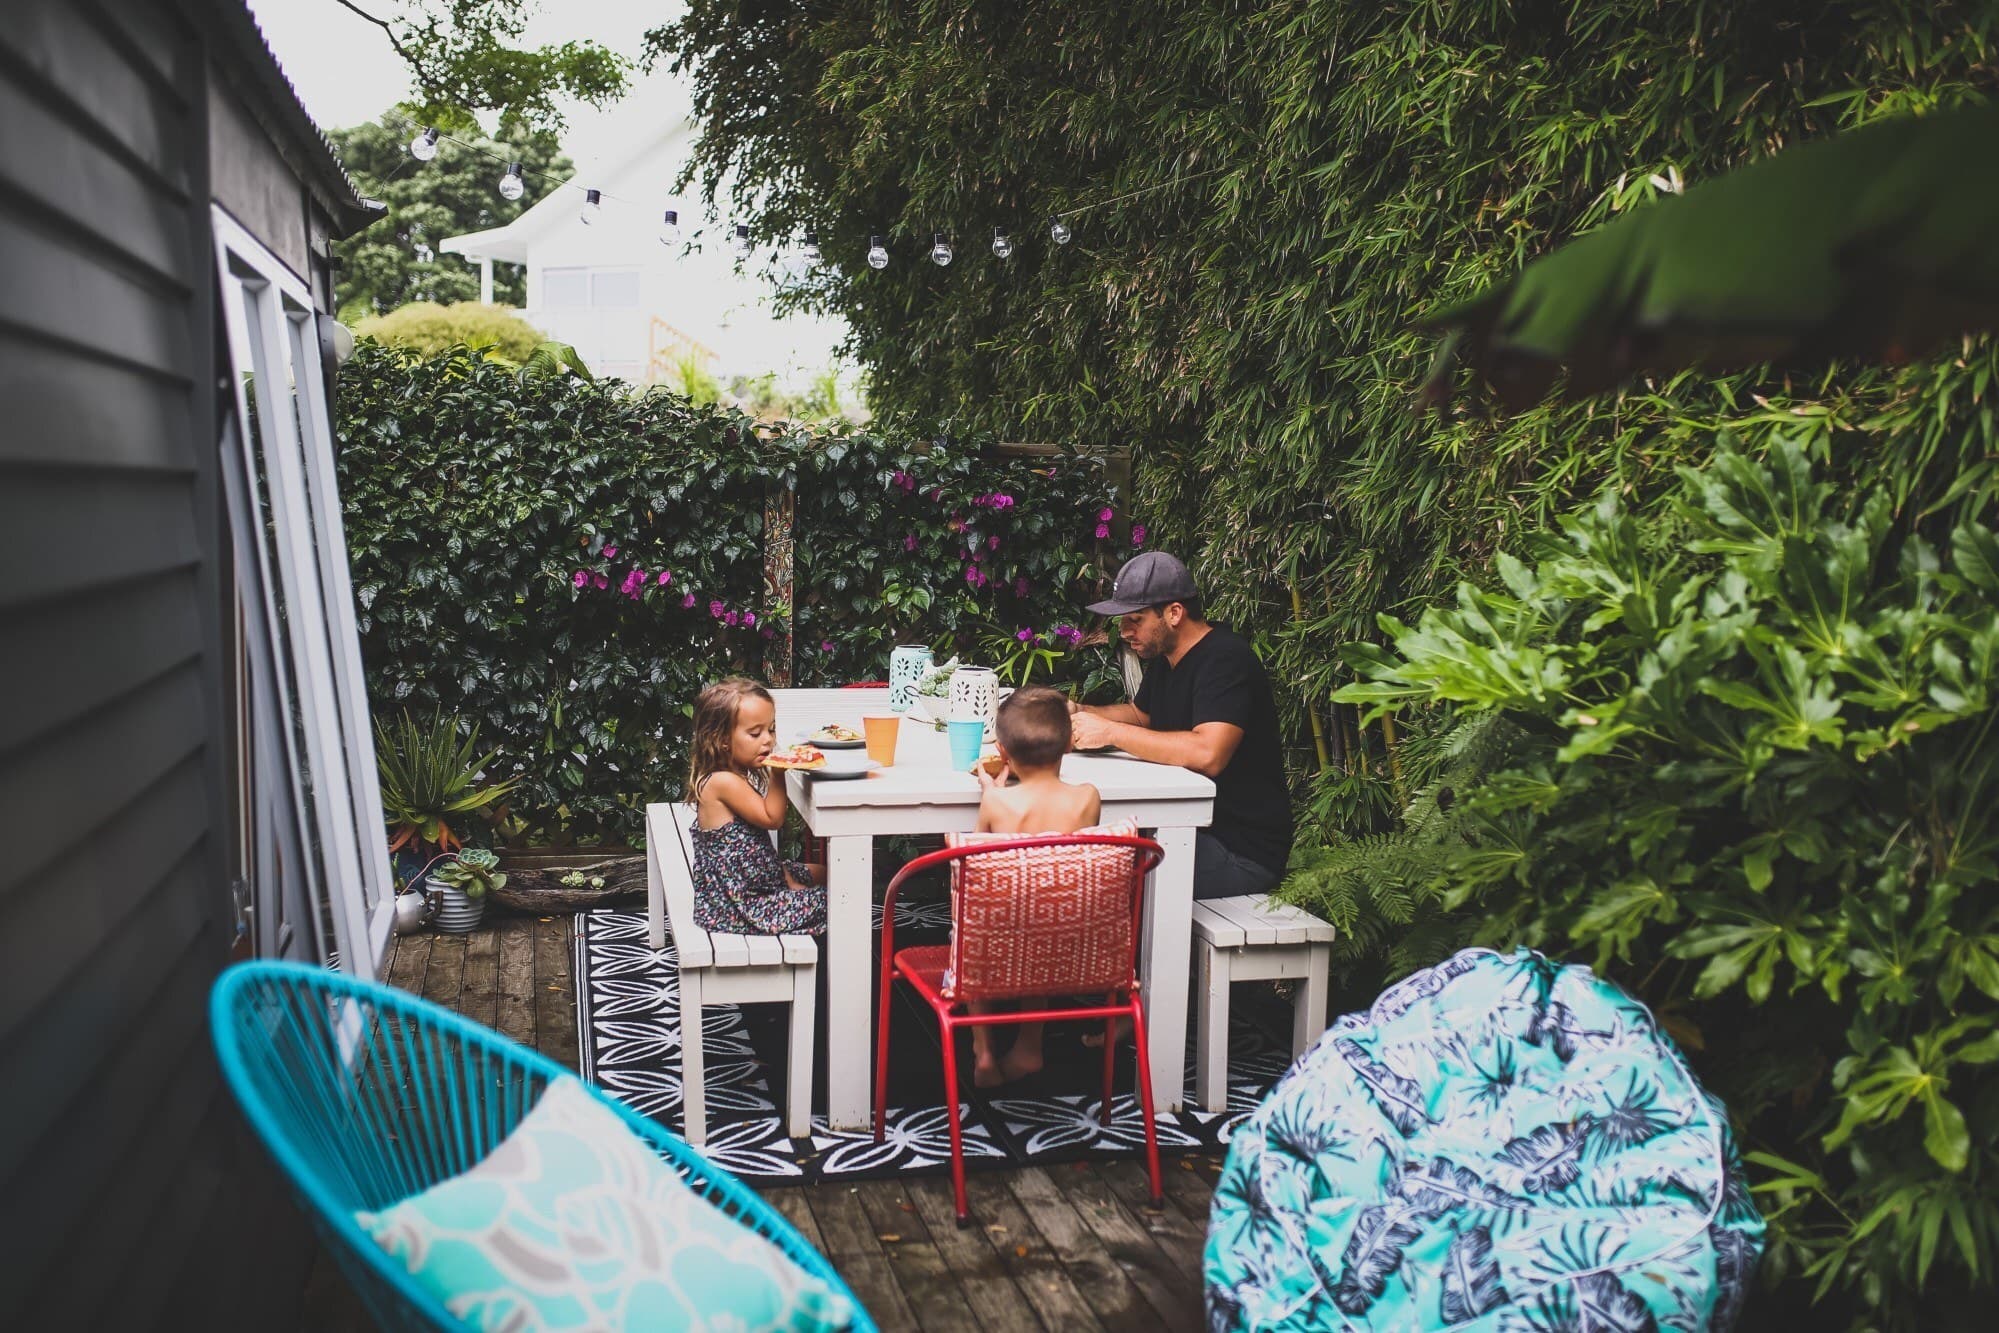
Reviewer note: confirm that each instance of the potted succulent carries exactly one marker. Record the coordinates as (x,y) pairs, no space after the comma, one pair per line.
(430,780)
(460,886)
(933,692)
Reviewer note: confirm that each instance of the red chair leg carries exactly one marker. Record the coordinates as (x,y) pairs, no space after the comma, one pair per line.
(1110,1068)
(950,1035)
(1145,1098)
(881,1049)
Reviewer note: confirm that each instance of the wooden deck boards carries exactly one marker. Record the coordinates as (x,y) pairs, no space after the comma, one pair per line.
(1058,1248)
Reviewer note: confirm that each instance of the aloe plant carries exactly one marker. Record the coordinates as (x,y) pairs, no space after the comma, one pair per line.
(472,872)
(429,776)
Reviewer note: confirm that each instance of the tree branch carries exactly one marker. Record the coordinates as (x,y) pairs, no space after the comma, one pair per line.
(395,43)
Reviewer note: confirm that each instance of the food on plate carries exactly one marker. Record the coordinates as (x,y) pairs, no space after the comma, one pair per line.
(798,756)
(833,731)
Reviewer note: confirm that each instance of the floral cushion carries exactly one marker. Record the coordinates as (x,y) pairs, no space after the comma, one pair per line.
(1499,1143)
(573,1222)
(1041,920)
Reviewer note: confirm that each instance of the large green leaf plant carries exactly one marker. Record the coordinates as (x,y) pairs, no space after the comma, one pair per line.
(1740,755)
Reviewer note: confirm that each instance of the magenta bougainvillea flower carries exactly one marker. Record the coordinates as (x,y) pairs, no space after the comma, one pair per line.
(1025,635)
(601,580)
(580,578)
(1138,534)
(732,620)
(825,645)
(909,541)
(1103,531)
(688,600)
(1106,514)
(992,542)
(1021,587)
(610,553)
(717,610)
(665,577)
(1068,634)
(750,619)
(974,576)
(905,481)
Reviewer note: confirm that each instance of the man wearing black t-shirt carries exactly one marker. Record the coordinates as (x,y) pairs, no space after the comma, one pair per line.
(1204,704)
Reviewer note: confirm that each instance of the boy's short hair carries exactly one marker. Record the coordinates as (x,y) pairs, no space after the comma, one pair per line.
(1033,726)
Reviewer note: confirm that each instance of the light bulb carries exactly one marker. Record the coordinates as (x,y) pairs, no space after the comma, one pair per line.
(424,146)
(741,245)
(810,250)
(1058,230)
(877,253)
(940,250)
(512,186)
(669,227)
(593,207)
(1002,247)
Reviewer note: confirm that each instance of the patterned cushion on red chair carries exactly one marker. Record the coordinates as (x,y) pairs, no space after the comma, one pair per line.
(1043,920)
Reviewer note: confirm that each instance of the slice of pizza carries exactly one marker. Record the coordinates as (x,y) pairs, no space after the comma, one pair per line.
(798,756)
(833,731)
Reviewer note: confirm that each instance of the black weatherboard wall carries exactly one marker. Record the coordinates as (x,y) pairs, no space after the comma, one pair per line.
(130,1192)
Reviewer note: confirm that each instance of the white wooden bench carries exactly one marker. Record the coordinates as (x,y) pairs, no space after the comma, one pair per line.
(719,968)
(1253,939)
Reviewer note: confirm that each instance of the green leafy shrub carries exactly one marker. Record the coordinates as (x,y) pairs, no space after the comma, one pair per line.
(1739,752)
(427,328)
(565,563)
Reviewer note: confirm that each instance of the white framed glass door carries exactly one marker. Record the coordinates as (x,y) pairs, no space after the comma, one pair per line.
(316,806)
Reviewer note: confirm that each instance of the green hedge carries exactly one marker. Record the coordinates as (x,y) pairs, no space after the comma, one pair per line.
(508,535)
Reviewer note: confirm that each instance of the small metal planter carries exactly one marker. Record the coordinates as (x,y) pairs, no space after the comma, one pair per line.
(412,910)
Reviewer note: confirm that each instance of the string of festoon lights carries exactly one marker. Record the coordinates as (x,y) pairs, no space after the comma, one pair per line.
(512,184)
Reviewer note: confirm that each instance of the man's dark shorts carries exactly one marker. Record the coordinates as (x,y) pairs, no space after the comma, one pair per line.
(1220,873)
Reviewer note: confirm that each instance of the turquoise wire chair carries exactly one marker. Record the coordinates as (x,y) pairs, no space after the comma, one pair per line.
(367,1095)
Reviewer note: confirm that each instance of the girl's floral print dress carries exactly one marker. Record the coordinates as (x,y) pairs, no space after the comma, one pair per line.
(739,885)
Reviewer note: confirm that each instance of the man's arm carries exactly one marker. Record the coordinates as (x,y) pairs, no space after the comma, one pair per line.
(1113,712)
(1206,749)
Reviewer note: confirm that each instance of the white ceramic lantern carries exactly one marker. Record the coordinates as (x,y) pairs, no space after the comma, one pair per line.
(974,694)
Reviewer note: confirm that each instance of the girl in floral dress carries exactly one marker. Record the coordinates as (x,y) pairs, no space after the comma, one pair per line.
(740,886)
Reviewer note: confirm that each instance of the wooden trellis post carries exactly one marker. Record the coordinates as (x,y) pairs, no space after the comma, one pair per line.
(780,512)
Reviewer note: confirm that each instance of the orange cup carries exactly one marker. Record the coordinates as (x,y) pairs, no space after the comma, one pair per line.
(882,734)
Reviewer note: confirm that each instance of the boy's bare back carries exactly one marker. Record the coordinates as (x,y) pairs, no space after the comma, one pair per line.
(1039,804)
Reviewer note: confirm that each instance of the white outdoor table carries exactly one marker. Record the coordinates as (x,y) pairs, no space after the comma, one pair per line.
(920,794)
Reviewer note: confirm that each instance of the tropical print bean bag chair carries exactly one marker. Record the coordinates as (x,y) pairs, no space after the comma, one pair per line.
(1498,1144)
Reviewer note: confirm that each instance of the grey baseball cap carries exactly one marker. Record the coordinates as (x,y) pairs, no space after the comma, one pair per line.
(1152,579)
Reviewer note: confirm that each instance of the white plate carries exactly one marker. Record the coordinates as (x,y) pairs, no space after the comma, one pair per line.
(845,764)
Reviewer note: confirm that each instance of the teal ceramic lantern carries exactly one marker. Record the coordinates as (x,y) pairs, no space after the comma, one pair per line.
(906,666)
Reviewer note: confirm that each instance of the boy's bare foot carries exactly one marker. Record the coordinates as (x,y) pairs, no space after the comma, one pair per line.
(987,1072)
(1018,1064)
(1095,1040)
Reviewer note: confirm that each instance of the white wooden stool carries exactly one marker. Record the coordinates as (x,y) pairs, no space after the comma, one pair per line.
(718,968)
(1254,939)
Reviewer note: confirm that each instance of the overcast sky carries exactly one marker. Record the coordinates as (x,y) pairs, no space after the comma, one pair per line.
(345,72)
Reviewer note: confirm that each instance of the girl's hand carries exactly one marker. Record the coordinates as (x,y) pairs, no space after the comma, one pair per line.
(988,782)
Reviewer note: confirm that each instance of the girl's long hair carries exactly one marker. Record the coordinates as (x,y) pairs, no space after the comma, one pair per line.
(715,712)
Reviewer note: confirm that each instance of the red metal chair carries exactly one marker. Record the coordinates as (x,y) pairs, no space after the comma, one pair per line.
(1031,917)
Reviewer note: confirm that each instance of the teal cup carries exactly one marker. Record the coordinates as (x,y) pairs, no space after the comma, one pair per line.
(967,739)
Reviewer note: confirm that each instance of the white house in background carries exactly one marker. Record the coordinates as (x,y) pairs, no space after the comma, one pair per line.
(630,305)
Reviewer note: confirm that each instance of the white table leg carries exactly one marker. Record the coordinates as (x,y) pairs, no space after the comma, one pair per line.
(850,981)
(1166,961)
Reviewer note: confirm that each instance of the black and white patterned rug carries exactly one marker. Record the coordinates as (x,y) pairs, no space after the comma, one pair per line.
(628,1019)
